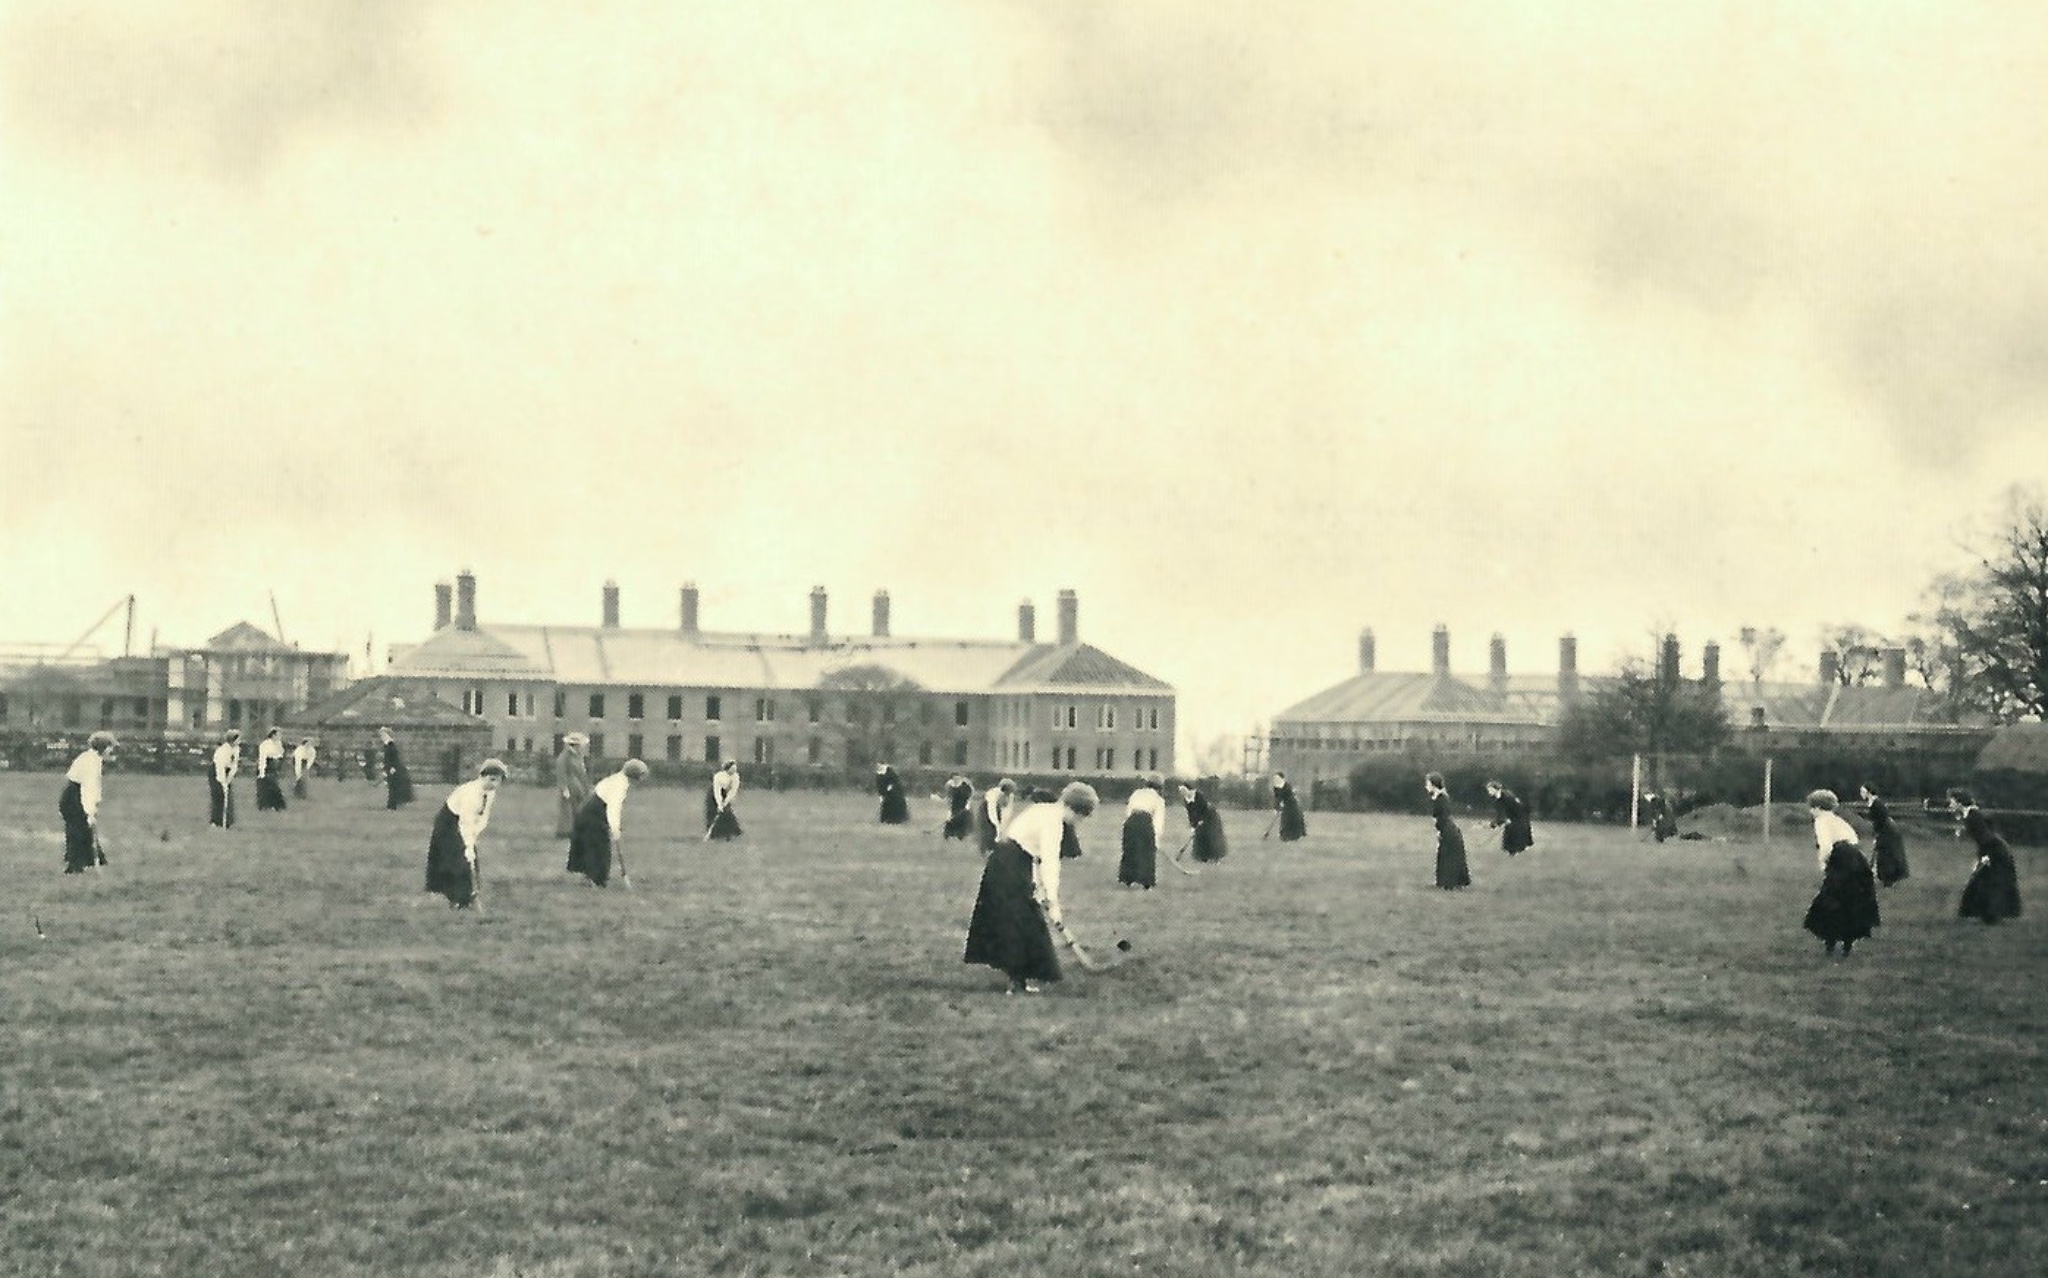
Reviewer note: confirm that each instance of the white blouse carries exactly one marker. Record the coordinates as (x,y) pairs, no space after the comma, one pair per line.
(302,758)
(270,750)
(1149,801)
(1828,830)
(724,787)
(997,805)
(1039,829)
(227,760)
(87,769)
(471,804)
(613,791)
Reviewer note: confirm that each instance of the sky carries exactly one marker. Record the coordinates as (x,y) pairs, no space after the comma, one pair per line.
(1254,325)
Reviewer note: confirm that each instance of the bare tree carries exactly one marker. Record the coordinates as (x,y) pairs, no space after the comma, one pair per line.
(1998,619)
(1762,647)
(1858,650)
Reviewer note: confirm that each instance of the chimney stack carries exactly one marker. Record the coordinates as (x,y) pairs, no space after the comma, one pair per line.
(1667,662)
(1710,664)
(611,605)
(1830,667)
(818,615)
(465,600)
(881,614)
(1440,651)
(1497,663)
(1366,653)
(1070,618)
(444,604)
(1567,669)
(690,609)
(1027,623)
(1894,667)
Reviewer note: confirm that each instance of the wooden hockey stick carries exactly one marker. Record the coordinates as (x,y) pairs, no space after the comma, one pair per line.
(1176,862)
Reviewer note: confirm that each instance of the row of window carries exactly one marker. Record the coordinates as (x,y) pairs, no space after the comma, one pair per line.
(1017,754)
(132,712)
(1435,739)
(816,749)
(520,705)
(1143,718)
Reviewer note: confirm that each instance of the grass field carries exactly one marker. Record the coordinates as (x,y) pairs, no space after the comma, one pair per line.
(266,1052)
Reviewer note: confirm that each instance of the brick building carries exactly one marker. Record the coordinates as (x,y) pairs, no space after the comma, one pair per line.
(817,700)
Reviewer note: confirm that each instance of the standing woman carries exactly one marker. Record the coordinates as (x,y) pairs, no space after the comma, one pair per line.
(1993,892)
(304,754)
(1018,906)
(572,784)
(1451,871)
(1292,826)
(895,809)
(1511,817)
(959,796)
(452,868)
(1884,833)
(598,824)
(1663,824)
(1845,909)
(720,821)
(1144,831)
(1204,823)
(397,781)
(270,772)
(80,804)
(220,779)
(992,812)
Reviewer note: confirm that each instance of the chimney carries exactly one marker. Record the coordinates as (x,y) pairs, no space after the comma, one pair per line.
(1440,651)
(1365,651)
(1830,667)
(881,614)
(611,605)
(1070,618)
(1894,667)
(1710,664)
(1667,662)
(1567,669)
(444,604)
(818,615)
(690,609)
(1497,663)
(465,600)
(1027,623)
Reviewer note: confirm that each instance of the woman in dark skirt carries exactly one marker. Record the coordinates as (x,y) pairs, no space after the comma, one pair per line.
(220,779)
(895,807)
(397,781)
(452,868)
(270,772)
(1144,831)
(304,755)
(1451,871)
(1511,818)
(721,821)
(572,783)
(959,799)
(599,823)
(1292,826)
(1888,843)
(1845,909)
(80,804)
(1663,822)
(991,811)
(1205,823)
(1993,892)
(1018,905)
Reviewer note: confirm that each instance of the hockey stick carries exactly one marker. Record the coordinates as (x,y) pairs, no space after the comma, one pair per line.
(1087,961)
(1176,862)
(714,822)
(1269,826)
(99,854)
(619,853)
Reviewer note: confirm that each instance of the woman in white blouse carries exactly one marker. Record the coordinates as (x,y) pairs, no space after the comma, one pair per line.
(270,772)
(303,756)
(80,804)
(599,823)
(1018,907)
(452,868)
(1144,831)
(1845,909)
(720,820)
(220,779)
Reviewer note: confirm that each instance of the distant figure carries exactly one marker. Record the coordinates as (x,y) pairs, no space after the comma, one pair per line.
(1205,825)
(270,773)
(397,781)
(304,755)
(720,820)
(572,785)
(1511,818)
(1845,909)
(373,764)
(1144,830)
(220,779)
(1451,870)
(1292,826)
(990,814)
(1993,892)
(1889,843)
(1018,904)
(1663,824)
(452,868)
(895,806)
(80,804)
(959,798)
(599,823)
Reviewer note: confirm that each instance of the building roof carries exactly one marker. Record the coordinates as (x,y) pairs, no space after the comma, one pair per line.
(244,637)
(1389,697)
(381,702)
(2016,747)
(599,656)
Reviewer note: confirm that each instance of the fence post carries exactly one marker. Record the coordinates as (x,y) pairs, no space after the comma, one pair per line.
(1767,802)
(1635,788)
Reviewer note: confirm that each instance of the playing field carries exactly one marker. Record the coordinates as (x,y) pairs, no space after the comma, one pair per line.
(267,1052)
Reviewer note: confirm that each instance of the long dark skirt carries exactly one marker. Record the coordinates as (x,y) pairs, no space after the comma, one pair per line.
(299,787)
(221,807)
(720,825)
(1008,931)
(895,808)
(1993,892)
(590,843)
(1140,862)
(1210,843)
(1292,824)
(1451,870)
(1891,855)
(397,788)
(81,849)
(1845,908)
(448,870)
(1516,836)
(985,832)
(960,822)
(269,794)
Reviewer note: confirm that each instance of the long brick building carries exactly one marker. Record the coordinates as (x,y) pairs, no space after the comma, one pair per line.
(819,700)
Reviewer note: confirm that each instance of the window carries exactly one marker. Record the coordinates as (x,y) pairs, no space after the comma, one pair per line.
(813,711)
(959,754)
(1105,718)
(234,711)
(1105,759)
(675,709)
(472,701)
(1027,754)
(1070,759)
(816,751)
(764,750)
(636,706)
(924,712)
(764,710)
(3,705)
(924,753)
(142,709)
(1152,758)
(597,745)
(561,704)
(711,750)
(675,748)
(959,714)
(635,745)
(1152,717)
(1065,716)
(712,710)
(106,712)
(529,704)
(511,705)
(597,705)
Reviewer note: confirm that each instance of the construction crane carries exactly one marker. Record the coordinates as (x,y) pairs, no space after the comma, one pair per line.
(126,639)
